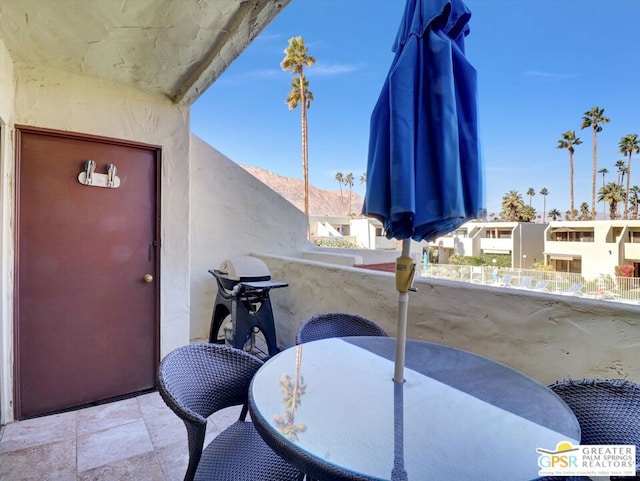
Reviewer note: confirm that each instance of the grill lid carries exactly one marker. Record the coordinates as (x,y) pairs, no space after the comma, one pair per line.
(244,268)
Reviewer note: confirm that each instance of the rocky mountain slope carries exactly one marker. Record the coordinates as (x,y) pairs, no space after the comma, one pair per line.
(321,202)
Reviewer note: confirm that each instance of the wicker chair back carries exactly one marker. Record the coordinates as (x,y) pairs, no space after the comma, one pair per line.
(329,325)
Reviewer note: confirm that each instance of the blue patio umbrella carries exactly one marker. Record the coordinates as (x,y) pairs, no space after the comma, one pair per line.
(424,173)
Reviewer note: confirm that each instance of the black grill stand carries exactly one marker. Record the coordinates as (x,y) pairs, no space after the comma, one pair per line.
(249,306)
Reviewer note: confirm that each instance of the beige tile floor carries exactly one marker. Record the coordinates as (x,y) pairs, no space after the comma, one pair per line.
(134,439)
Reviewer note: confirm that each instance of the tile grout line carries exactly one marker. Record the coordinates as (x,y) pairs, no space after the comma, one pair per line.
(155,451)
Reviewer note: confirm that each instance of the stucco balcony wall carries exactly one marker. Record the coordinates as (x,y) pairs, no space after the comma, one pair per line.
(232,214)
(384,243)
(576,248)
(461,245)
(631,250)
(597,258)
(546,336)
(496,245)
(367,256)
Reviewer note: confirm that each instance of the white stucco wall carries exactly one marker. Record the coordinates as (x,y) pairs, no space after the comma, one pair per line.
(546,336)
(63,101)
(7,87)
(607,251)
(232,214)
(368,256)
(6,84)
(364,232)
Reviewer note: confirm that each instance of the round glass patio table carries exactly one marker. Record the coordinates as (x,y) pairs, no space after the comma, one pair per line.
(331,408)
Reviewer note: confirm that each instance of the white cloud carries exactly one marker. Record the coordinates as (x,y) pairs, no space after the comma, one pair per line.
(266,73)
(268,37)
(316,70)
(550,75)
(327,70)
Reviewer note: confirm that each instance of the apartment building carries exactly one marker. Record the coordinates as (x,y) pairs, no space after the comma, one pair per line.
(365,232)
(592,248)
(522,241)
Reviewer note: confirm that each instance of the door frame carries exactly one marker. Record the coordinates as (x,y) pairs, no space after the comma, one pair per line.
(19,129)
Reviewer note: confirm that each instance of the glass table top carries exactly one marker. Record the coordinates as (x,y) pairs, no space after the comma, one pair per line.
(456,416)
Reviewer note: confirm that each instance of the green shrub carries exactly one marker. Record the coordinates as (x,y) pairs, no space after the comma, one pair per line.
(340,243)
(485,260)
(541,267)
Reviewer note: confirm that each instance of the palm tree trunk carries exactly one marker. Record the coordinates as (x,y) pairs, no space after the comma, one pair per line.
(604,204)
(626,196)
(572,214)
(305,163)
(595,178)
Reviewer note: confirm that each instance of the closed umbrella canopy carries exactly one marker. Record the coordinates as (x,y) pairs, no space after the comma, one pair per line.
(424,173)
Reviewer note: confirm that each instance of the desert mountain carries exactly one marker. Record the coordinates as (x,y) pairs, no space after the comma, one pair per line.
(321,202)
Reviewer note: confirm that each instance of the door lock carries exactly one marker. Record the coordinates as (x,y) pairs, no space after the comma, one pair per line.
(148,278)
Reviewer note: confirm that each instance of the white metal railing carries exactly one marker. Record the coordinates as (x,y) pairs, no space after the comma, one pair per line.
(605,287)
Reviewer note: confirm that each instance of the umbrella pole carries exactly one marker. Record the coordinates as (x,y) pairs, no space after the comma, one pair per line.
(405,269)
(401,336)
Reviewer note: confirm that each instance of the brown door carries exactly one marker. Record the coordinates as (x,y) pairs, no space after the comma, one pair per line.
(86,319)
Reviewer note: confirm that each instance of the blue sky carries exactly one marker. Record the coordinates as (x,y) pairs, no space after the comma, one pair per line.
(541,64)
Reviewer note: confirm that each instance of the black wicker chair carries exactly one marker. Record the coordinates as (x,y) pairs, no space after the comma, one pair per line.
(199,379)
(608,411)
(328,325)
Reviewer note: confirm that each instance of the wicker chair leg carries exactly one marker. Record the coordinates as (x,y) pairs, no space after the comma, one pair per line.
(196,442)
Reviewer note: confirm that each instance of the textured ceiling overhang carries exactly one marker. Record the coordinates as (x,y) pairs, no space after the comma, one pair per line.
(175,48)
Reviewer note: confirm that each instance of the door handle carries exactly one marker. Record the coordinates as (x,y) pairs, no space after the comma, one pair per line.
(148,278)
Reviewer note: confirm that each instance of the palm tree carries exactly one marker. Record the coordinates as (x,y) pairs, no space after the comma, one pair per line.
(594,118)
(340,179)
(622,172)
(603,171)
(511,203)
(363,178)
(634,201)
(526,213)
(621,166)
(295,60)
(611,193)
(531,192)
(544,193)
(568,141)
(348,180)
(584,212)
(554,214)
(629,145)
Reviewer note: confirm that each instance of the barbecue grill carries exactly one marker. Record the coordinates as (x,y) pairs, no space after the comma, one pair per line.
(244,283)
